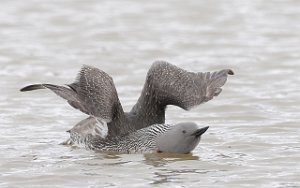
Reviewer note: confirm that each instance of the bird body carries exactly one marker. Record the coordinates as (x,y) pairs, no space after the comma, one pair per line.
(157,137)
(141,141)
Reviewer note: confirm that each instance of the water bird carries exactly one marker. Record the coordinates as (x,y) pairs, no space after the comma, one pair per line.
(143,129)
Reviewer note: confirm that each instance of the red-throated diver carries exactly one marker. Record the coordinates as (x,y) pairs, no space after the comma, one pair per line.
(109,128)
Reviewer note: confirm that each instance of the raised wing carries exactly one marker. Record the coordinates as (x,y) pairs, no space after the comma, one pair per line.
(97,91)
(66,93)
(167,84)
(93,93)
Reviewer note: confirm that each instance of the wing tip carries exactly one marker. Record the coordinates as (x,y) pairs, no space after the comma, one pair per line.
(32,87)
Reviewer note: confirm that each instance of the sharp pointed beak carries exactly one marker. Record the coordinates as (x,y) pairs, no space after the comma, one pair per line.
(200,132)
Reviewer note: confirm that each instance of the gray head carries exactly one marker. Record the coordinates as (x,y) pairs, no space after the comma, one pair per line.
(181,138)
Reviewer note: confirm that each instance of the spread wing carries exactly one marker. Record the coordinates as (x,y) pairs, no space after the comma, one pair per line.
(167,84)
(93,93)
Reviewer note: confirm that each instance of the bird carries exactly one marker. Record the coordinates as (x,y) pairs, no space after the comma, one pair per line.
(143,128)
(179,138)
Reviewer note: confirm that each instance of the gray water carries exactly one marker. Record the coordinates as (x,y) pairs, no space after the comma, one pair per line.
(254,135)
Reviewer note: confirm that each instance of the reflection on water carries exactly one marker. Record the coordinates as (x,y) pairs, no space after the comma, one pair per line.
(161,159)
(253,138)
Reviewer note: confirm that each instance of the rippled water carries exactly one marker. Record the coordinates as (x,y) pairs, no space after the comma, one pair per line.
(254,135)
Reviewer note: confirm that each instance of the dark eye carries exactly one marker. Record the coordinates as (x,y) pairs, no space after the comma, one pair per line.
(183,131)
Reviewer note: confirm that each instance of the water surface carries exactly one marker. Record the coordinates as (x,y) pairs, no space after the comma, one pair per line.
(254,134)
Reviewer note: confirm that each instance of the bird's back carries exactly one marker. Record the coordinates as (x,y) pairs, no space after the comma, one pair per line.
(141,141)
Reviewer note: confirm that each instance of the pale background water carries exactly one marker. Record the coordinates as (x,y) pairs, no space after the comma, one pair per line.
(254,135)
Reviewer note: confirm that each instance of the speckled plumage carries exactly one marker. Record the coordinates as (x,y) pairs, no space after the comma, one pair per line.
(140,141)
